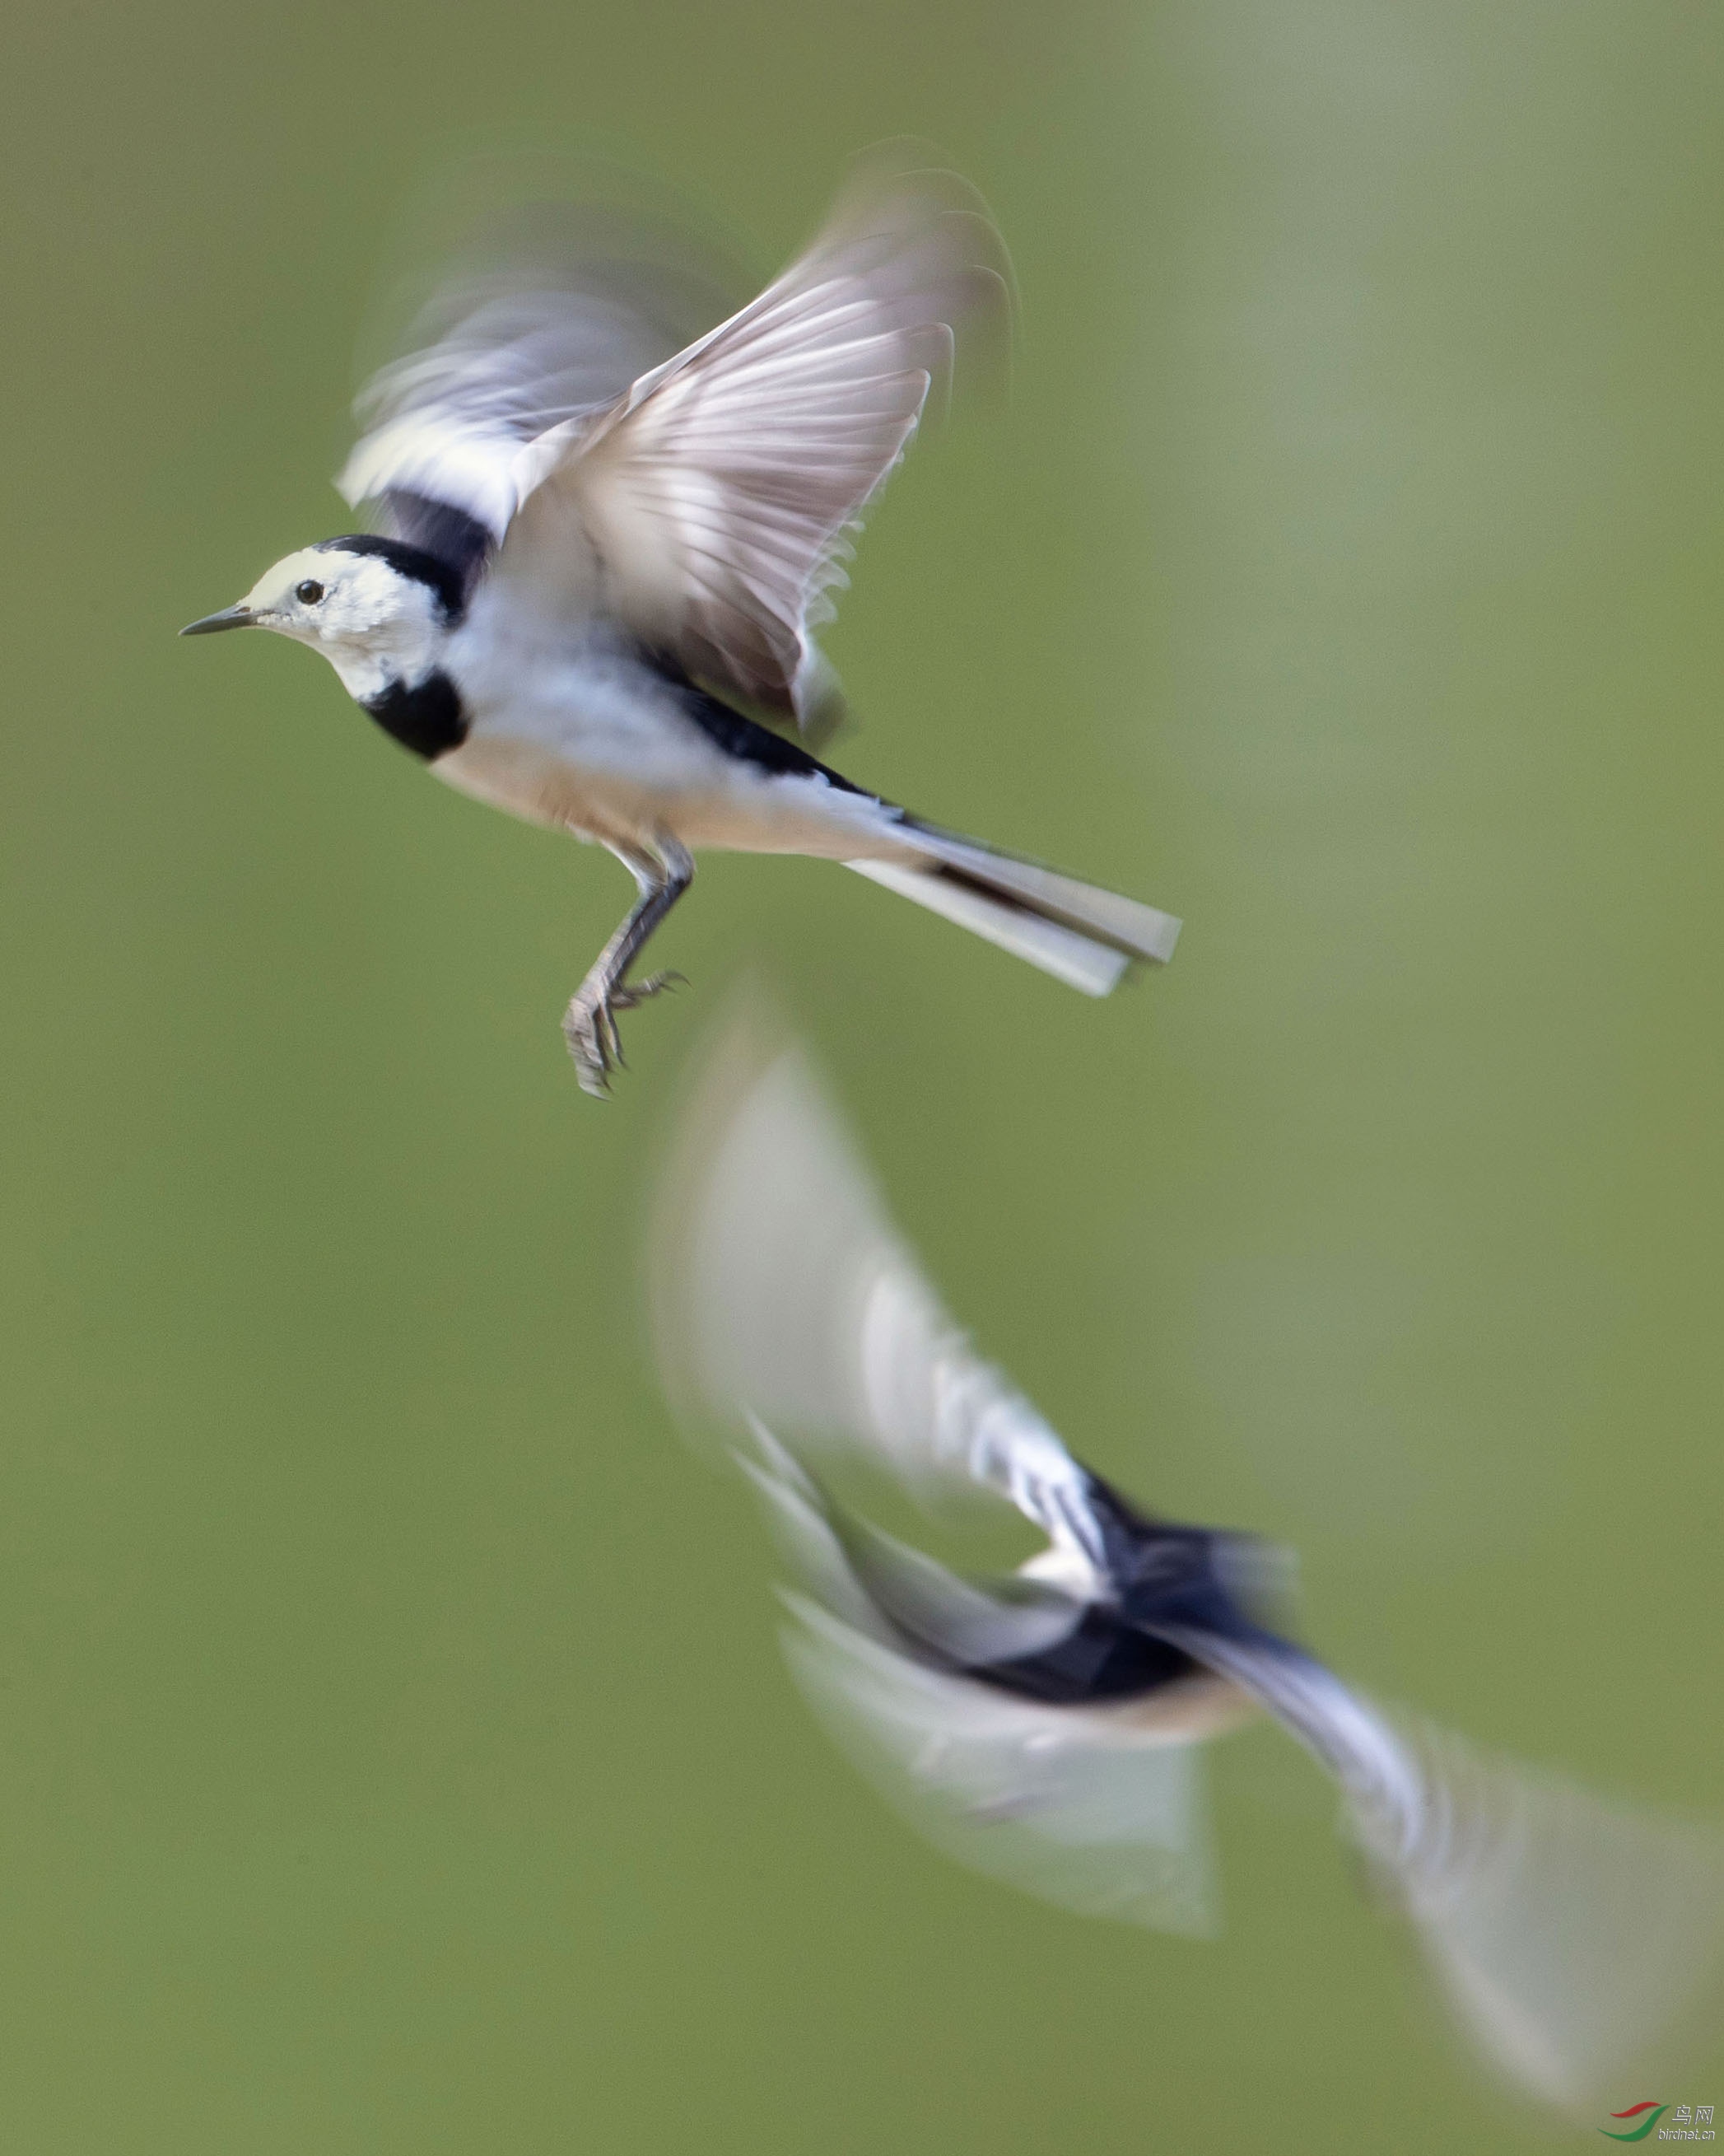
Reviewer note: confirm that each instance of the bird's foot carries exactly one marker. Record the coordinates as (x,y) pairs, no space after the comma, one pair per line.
(589,1026)
(628,995)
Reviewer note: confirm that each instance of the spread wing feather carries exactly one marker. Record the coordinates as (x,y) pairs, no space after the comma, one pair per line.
(783,1288)
(552,391)
(1569,1933)
(547,314)
(1099,1811)
(719,492)
(1083,1810)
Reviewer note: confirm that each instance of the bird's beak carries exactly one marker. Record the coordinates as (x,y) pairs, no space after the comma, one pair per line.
(233,616)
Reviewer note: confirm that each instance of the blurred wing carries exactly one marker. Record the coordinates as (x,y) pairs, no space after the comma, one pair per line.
(552,313)
(1071,1805)
(719,492)
(782,1290)
(1569,1934)
(896,1593)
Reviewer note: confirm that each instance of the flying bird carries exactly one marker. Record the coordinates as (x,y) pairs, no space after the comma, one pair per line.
(1046,1725)
(604,549)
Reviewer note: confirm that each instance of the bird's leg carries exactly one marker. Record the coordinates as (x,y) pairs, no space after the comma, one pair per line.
(590,1023)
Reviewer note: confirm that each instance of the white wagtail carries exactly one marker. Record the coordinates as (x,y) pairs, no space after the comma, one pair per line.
(1044,1727)
(588,563)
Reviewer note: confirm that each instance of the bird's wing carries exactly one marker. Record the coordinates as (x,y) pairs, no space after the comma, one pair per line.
(782,1290)
(719,492)
(1073,1805)
(549,312)
(898,1595)
(1095,1808)
(1570,1934)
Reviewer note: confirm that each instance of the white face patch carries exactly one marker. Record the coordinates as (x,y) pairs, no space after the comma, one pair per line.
(374,625)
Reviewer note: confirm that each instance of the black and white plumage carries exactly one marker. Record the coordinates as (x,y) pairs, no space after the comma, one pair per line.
(1046,1727)
(599,546)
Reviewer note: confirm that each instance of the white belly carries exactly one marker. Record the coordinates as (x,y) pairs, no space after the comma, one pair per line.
(624,793)
(584,736)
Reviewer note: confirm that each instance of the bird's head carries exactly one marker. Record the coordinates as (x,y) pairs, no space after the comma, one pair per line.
(378,609)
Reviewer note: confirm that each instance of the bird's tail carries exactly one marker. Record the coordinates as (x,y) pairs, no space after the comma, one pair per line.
(1082,935)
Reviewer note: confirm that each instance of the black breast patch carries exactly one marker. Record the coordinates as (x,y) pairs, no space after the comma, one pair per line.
(427,718)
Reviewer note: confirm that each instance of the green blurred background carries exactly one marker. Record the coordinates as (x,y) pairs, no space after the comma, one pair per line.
(394,1755)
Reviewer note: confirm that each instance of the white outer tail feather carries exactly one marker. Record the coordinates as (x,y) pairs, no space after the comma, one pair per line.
(1082,935)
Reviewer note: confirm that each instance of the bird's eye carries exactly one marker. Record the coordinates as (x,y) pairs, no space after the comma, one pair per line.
(309,592)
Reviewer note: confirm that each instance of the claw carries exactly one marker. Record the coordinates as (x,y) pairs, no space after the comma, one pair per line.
(589,1026)
(585,1027)
(609,1037)
(628,995)
(590,1074)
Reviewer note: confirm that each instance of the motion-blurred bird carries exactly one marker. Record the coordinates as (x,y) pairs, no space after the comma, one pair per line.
(597,545)
(1044,1726)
